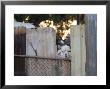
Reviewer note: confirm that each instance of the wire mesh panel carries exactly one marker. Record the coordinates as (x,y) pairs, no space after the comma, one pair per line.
(36,66)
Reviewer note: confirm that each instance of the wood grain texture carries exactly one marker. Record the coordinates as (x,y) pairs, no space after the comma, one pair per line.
(78,50)
(91,44)
(43,41)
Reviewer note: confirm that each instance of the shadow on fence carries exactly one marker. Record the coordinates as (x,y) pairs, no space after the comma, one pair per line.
(38,66)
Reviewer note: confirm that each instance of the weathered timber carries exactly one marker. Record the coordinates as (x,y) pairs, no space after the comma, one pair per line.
(41,42)
(91,44)
(78,50)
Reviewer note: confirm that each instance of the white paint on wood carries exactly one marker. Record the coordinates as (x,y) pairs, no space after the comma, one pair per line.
(43,41)
(78,50)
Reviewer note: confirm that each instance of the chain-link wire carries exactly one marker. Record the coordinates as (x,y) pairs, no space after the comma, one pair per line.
(42,66)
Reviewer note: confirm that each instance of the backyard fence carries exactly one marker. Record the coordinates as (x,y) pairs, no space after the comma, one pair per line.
(35,51)
(39,49)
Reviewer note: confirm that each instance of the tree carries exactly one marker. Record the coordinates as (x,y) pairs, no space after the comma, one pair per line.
(61,21)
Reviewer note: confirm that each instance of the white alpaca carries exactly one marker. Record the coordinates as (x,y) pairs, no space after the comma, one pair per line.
(63,52)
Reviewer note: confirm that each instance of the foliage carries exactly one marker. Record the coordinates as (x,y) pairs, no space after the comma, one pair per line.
(37,18)
(61,21)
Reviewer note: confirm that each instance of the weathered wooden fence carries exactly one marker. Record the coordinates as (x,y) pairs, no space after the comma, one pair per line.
(41,42)
(39,48)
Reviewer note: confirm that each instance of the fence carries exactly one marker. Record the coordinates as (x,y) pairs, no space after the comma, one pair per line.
(38,66)
(42,42)
(34,43)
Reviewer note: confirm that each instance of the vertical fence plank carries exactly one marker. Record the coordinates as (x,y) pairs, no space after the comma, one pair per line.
(19,49)
(75,50)
(78,50)
(91,43)
(83,49)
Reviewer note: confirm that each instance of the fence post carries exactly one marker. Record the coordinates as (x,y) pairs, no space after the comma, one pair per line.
(91,43)
(78,50)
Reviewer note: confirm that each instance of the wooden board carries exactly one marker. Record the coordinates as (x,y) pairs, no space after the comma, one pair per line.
(78,50)
(43,41)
